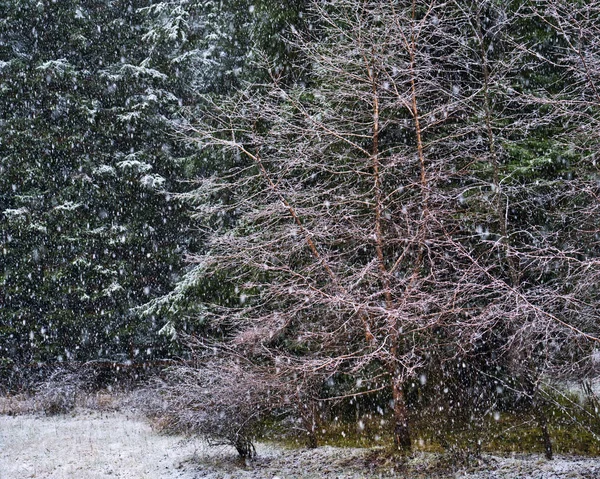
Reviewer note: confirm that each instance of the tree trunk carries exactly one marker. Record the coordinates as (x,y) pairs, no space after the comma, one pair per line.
(244,447)
(402,439)
(312,442)
(543,423)
(310,421)
(538,404)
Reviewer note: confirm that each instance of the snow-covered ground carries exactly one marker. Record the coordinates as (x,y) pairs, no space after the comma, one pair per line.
(88,446)
(115,445)
(536,467)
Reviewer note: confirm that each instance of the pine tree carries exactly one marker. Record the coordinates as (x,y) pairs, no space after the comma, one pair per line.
(87,232)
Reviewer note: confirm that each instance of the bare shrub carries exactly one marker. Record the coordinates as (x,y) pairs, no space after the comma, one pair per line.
(220,399)
(15,405)
(104,400)
(64,388)
(59,392)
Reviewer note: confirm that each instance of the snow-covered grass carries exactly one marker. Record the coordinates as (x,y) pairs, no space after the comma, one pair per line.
(527,466)
(100,401)
(94,445)
(88,446)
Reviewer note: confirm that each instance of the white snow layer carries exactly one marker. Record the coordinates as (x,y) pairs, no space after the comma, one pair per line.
(114,445)
(88,447)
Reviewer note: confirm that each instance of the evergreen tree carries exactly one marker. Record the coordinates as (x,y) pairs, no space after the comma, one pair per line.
(90,94)
(86,154)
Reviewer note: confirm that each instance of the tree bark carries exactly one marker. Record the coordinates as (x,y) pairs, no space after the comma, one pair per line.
(537,405)
(542,421)
(546,437)
(402,440)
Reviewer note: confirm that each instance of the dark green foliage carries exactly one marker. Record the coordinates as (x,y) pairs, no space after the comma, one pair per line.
(89,94)
(86,230)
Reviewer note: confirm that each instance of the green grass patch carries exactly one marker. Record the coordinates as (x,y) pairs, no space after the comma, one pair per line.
(497,432)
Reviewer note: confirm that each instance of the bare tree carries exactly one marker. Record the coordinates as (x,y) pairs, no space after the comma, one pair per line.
(346,209)
(537,192)
(379,213)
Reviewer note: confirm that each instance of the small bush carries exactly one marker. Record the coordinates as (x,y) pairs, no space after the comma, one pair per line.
(221,401)
(16,405)
(58,393)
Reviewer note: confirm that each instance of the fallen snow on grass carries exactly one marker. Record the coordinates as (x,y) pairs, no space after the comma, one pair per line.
(275,462)
(88,446)
(115,445)
(530,466)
